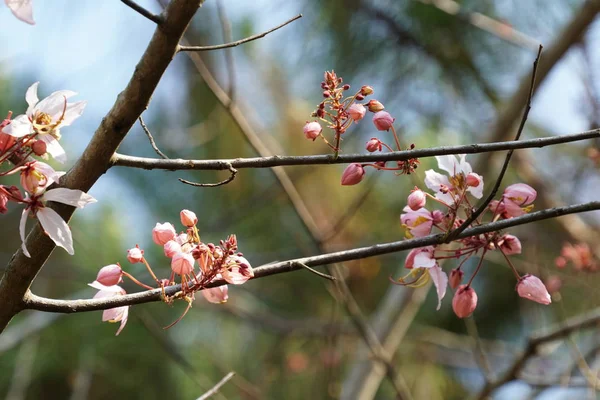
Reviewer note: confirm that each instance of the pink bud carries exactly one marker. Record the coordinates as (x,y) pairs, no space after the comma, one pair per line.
(353,174)
(510,244)
(383,120)
(312,130)
(374,145)
(366,90)
(110,275)
(473,179)
(171,248)
(456,276)
(520,193)
(182,263)
(357,112)
(188,218)
(375,106)
(531,288)
(216,295)
(416,199)
(135,255)
(497,207)
(464,301)
(39,147)
(438,217)
(162,233)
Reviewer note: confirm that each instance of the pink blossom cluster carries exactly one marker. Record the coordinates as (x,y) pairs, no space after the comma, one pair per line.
(185,250)
(579,256)
(451,191)
(37,133)
(338,112)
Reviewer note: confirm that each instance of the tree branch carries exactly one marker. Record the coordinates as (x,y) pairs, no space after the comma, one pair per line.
(121,160)
(238,42)
(157,19)
(21,270)
(34,302)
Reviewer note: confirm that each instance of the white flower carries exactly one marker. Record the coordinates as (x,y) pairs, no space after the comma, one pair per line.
(447,188)
(22,9)
(117,314)
(52,223)
(45,118)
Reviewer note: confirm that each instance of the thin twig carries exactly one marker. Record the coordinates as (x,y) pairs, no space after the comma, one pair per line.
(314,271)
(151,138)
(157,19)
(230,65)
(238,42)
(34,302)
(223,182)
(122,160)
(481,208)
(216,388)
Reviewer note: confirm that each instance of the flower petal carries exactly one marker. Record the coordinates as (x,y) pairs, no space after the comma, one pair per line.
(435,180)
(74,111)
(22,224)
(19,126)
(124,317)
(477,191)
(22,9)
(31,97)
(54,104)
(54,148)
(56,228)
(72,197)
(440,280)
(449,163)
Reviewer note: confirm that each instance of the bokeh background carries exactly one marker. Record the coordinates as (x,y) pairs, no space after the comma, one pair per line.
(445,81)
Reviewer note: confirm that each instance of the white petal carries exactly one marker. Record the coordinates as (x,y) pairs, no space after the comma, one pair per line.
(440,280)
(74,111)
(54,104)
(477,191)
(19,127)
(48,171)
(104,290)
(54,148)
(22,231)
(124,318)
(72,197)
(22,9)
(465,167)
(449,164)
(434,180)
(55,227)
(424,259)
(31,97)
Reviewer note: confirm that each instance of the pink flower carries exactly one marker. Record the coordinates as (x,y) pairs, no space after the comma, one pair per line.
(312,130)
(162,233)
(373,145)
(464,301)
(22,9)
(421,257)
(36,176)
(117,314)
(135,255)
(418,223)
(52,223)
(353,174)
(383,120)
(216,295)
(357,112)
(237,270)
(188,218)
(171,248)
(517,196)
(182,263)
(416,199)
(448,187)
(531,288)
(510,244)
(45,118)
(456,277)
(110,275)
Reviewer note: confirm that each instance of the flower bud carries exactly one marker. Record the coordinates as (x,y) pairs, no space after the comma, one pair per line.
(171,248)
(510,245)
(373,145)
(531,288)
(416,199)
(182,263)
(188,218)
(383,120)
(312,130)
(359,97)
(135,255)
(438,217)
(346,87)
(110,275)
(357,112)
(39,147)
(464,301)
(473,179)
(366,90)
(162,233)
(520,193)
(353,174)
(456,276)
(375,106)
